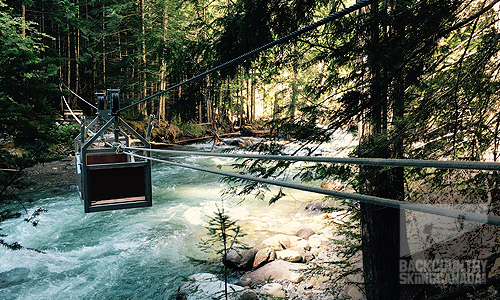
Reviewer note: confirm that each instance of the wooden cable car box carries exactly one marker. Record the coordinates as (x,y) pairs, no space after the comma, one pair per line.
(106,178)
(114,181)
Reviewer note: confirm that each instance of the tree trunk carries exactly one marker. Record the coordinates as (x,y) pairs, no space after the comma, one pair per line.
(241,106)
(23,17)
(252,100)
(208,99)
(103,47)
(68,63)
(142,73)
(380,226)
(163,72)
(77,56)
(276,104)
(295,92)
(248,102)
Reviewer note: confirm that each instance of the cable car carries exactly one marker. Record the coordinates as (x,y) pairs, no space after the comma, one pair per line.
(107,179)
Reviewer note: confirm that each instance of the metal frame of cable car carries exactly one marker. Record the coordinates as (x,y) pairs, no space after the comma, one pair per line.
(108,180)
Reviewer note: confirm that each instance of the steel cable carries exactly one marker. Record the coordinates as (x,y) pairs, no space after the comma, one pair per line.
(70,110)
(93,106)
(452,213)
(440,164)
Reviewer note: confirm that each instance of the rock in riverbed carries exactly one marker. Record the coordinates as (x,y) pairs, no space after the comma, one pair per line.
(204,286)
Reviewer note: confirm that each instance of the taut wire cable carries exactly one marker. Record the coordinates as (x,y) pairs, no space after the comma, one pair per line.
(452,213)
(440,164)
(93,106)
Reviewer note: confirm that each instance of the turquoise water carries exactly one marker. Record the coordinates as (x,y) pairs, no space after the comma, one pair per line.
(140,253)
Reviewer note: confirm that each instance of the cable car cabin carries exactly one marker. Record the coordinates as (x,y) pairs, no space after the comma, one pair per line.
(112,181)
(108,180)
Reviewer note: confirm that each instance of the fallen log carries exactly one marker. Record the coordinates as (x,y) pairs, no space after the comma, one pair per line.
(205,138)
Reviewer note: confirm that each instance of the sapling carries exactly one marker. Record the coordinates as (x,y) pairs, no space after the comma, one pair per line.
(224,233)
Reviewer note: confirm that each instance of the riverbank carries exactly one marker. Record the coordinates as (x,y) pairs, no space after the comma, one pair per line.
(51,176)
(304,265)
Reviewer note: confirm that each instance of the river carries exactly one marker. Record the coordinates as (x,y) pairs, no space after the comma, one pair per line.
(141,253)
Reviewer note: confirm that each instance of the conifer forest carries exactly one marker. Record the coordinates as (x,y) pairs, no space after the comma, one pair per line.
(415,80)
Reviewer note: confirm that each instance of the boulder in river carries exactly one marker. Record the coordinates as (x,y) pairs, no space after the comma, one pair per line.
(204,286)
(240,257)
(240,142)
(332,185)
(274,290)
(263,256)
(305,233)
(249,295)
(289,255)
(318,240)
(315,207)
(277,242)
(275,270)
(282,241)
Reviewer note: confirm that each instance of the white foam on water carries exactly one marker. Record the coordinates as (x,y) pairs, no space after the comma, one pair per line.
(139,253)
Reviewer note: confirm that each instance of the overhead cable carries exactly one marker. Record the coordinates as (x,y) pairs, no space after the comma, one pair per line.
(93,106)
(73,114)
(71,111)
(284,39)
(440,164)
(452,213)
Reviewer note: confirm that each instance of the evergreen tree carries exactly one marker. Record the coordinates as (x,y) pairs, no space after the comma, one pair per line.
(26,94)
(27,118)
(224,233)
(419,78)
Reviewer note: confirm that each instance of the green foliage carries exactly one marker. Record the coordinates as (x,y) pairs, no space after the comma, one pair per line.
(9,178)
(347,245)
(224,233)
(27,99)
(277,197)
(66,132)
(63,138)
(192,130)
(27,114)
(421,77)
(262,168)
(435,87)
(320,171)
(251,24)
